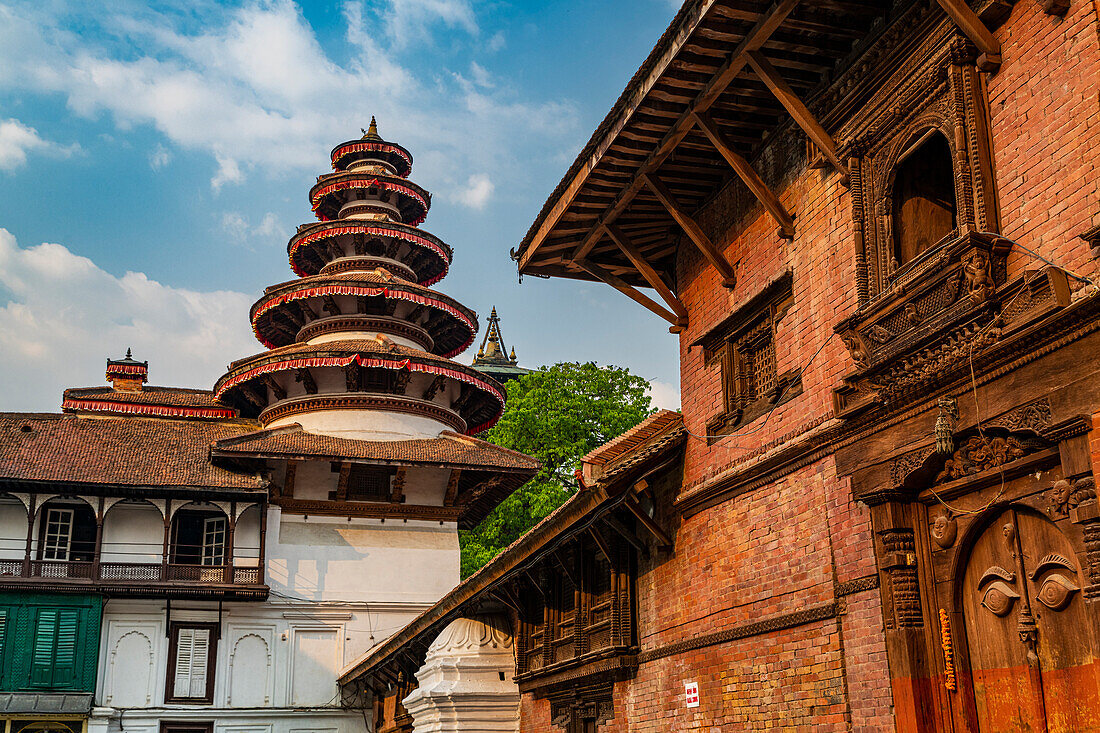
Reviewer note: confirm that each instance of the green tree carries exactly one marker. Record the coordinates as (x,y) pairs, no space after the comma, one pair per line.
(556,414)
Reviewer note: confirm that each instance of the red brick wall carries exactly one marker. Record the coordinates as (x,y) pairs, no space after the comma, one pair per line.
(1045,115)
(785,546)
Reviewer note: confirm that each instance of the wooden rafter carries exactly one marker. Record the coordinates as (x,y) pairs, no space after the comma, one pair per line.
(684,124)
(748,175)
(626,289)
(663,540)
(802,116)
(651,275)
(974,29)
(693,230)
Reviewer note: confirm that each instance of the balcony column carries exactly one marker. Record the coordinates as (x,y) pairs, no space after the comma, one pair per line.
(30,531)
(229,542)
(167,533)
(261,573)
(97,556)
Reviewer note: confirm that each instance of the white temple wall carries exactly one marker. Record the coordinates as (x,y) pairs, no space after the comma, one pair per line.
(363,424)
(275,670)
(133,533)
(426,486)
(13,528)
(314,480)
(333,558)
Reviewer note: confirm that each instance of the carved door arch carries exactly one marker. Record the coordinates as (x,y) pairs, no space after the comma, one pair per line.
(1033,659)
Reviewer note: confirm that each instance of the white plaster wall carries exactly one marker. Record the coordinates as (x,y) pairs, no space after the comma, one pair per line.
(133,533)
(332,558)
(364,336)
(13,528)
(273,659)
(426,486)
(246,538)
(314,480)
(363,424)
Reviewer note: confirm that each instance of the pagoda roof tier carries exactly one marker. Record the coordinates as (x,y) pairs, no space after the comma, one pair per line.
(133,451)
(332,191)
(479,409)
(318,244)
(450,326)
(488,473)
(173,402)
(347,153)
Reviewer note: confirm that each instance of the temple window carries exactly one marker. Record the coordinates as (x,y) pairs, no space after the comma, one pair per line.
(67,532)
(199,537)
(368,483)
(192,651)
(744,345)
(924,205)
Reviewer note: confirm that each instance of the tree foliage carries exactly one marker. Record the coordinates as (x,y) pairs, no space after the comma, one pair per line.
(556,414)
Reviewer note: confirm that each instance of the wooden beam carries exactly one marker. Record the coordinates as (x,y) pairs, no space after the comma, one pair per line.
(709,94)
(628,290)
(602,544)
(625,532)
(651,276)
(797,110)
(974,29)
(622,120)
(663,540)
(748,175)
(694,231)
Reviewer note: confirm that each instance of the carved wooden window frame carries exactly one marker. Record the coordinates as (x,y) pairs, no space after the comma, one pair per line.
(739,345)
(936,90)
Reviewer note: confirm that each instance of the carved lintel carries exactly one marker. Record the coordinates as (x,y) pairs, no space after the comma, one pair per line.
(979,454)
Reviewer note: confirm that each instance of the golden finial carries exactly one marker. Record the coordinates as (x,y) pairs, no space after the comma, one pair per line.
(372,131)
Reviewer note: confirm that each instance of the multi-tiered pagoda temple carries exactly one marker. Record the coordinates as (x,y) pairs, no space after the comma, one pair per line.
(359,345)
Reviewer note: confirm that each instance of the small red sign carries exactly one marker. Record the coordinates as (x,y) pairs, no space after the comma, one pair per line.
(691,694)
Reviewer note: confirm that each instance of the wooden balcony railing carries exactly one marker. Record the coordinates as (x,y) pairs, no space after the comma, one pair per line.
(125,572)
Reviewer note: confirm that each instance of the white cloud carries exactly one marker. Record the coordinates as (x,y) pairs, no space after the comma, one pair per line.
(17,139)
(63,316)
(270,226)
(228,172)
(497,42)
(477,191)
(253,87)
(411,20)
(235,224)
(664,395)
(160,157)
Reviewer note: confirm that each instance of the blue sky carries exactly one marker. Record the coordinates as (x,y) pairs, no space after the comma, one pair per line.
(154,160)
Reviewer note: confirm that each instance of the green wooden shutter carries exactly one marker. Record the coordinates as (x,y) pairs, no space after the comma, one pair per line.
(55,650)
(45,639)
(65,652)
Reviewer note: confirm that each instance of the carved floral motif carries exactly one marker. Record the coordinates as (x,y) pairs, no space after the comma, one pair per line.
(981,454)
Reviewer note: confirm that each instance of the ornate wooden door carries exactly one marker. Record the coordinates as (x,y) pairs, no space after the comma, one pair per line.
(1032,654)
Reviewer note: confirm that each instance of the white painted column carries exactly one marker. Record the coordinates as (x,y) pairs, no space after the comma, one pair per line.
(466,681)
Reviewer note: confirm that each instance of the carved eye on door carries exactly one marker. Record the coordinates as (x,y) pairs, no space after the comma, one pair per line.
(1056,592)
(999,597)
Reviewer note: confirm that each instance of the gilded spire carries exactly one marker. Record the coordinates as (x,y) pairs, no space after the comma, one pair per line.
(492,350)
(371,133)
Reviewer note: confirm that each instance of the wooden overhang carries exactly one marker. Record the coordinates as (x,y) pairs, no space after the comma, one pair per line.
(724,79)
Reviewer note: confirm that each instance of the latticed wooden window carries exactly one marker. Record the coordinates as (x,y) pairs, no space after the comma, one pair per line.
(745,345)
(368,483)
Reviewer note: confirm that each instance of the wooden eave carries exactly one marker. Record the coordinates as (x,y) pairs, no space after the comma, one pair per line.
(701,64)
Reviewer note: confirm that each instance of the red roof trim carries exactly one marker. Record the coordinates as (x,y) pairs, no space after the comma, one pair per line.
(368,292)
(325,190)
(336,361)
(343,150)
(377,231)
(130,408)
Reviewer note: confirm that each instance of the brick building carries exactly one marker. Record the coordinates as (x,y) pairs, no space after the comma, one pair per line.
(874,227)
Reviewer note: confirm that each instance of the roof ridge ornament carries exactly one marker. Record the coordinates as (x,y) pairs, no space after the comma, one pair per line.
(371,133)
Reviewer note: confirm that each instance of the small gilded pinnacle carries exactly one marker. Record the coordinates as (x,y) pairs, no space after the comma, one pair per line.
(371,133)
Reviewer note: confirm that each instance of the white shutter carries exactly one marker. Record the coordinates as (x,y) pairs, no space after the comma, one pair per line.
(192,657)
(200,656)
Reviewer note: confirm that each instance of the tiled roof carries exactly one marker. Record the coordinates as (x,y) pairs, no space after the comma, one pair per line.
(180,402)
(131,451)
(449,449)
(647,429)
(664,430)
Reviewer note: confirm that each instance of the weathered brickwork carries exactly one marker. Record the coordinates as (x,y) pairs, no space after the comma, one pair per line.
(776,549)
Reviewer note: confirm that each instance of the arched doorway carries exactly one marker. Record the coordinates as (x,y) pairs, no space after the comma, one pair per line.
(1033,655)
